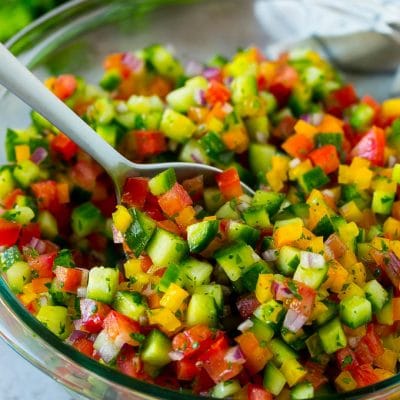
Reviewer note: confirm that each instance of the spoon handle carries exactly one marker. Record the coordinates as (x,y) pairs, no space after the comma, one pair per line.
(20,81)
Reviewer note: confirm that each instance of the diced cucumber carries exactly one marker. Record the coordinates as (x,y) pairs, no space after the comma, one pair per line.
(258,128)
(295,340)
(361,116)
(313,179)
(312,269)
(329,313)
(225,389)
(238,231)
(243,87)
(176,126)
(110,80)
(195,273)
(213,199)
(18,275)
(7,183)
(376,294)
(288,260)
(263,332)
(139,233)
(181,99)
(109,133)
(236,259)
(215,148)
(274,381)
(382,202)
(322,139)
(302,391)
(26,172)
(163,61)
(332,336)
(215,291)
(102,284)
(257,217)
(156,349)
(201,234)
(107,347)
(55,318)
(281,351)
(22,215)
(324,227)
(250,277)
(271,312)
(58,294)
(166,248)
(173,274)
(271,200)
(228,211)
(48,224)
(314,345)
(86,219)
(355,311)
(131,304)
(192,151)
(102,111)
(202,310)
(162,182)
(260,157)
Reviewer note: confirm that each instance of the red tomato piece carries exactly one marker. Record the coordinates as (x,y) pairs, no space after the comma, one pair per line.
(135,192)
(315,374)
(64,146)
(246,305)
(120,328)
(93,314)
(193,341)
(11,198)
(84,173)
(340,99)
(364,375)
(70,278)
(257,392)
(46,194)
(149,143)
(175,200)
(369,347)
(64,86)
(217,93)
(186,369)
(202,383)
(152,208)
(27,233)
(304,302)
(283,82)
(84,345)
(9,232)
(42,265)
(129,363)
(195,187)
(325,157)
(371,146)
(346,359)
(229,183)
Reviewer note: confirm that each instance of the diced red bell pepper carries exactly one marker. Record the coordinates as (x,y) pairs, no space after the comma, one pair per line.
(193,341)
(304,302)
(246,305)
(93,314)
(11,198)
(229,183)
(135,192)
(42,265)
(27,233)
(175,200)
(371,146)
(84,174)
(325,157)
(84,345)
(9,232)
(64,146)
(195,187)
(129,362)
(217,93)
(149,143)
(152,208)
(46,195)
(64,86)
(120,328)
(346,359)
(186,369)
(340,99)
(369,347)
(70,278)
(257,392)
(364,375)
(202,383)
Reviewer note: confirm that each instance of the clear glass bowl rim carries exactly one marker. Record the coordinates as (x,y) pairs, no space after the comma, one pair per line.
(73,9)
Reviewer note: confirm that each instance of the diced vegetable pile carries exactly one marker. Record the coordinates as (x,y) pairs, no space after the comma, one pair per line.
(290,293)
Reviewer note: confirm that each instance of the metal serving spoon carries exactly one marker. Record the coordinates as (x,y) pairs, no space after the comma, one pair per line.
(20,81)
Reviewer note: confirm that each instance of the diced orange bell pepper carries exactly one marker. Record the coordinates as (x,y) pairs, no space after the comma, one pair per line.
(186,217)
(298,145)
(236,140)
(304,128)
(330,124)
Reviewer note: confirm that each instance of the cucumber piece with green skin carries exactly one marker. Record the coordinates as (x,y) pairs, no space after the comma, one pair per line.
(213,290)
(260,157)
(376,294)
(22,215)
(162,182)
(109,133)
(236,259)
(257,217)
(156,349)
(314,345)
(262,331)
(324,227)
(250,277)
(329,313)
(302,391)
(58,295)
(382,202)
(225,389)
(258,128)
(274,381)
(110,80)
(18,275)
(173,274)
(332,336)
(385,315)
(281,351)
(165,248)
(102,111)
(355,311)
(131,304)
(322,139)
(271,200)
(102,284)
(213,199)
(7,183)
(163,61)
(270,312)
(85,219)
(288,260)
(202,310)
(55,318)
(295,340)
(140,232)
(243,87)
(176,126)
(48,224)
(312,269)
(228,211)
(313,179)
(201,234)
(215,148)
(237,231)
(195,273)
(9,256)
(192,151)
(360,116)
(181,99)
(144,104)
(26,172)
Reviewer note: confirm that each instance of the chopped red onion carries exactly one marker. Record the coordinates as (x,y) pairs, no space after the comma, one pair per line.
(196,156)
(200,98)
(132,62)
(313,119)
(176,355)
(211,73)
(77,334)
(281,291)
(117,235)
(311,260)
(38,245)
(228,80)
(81,292)
(269,255)
(88,307)
(193,68)
(107,348)
(294,320)
(235,355)
(245,325)
(78,324)
(39,155)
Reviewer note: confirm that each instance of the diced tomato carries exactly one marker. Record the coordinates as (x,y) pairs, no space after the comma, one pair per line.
(135,192)
(193,341)
(9,232)
(285,127)
(42,265)
(129,362)
(167,379)
(257,392)
(371,146)
(97,241)
(202,383)
(84,174)
(11,198)
(93,314)
(369,347)
(304,302)
(315,374)
(325,157)
(28,232)
(217,93)
(364,375)
(283,82)
(70,278)
(46,195)
(64,146)
(84,345)
(195,187)
(149,143)
(175,200)
(229,183)
(246,305)
(40,285)
(346,359)
(340,99)
(64,86)
(152,208)
(186,369)
(118,327)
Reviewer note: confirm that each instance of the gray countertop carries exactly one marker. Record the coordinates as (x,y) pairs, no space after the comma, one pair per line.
(19,380)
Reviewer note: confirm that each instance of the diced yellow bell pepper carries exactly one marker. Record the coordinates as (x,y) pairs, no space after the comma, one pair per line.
(165,318)
(287,234)
(387,360)
(391,228)
(300,169)
(350,212)
(383,374)
(173,297)
(345,382)
(391,108)
(263,287)
(304,128)
(349,290)
(392,342)
(22,152)
(348,259)
(384,185)
(395,247)
(319,309)
(132,268)
(186,217)
(293,371)
(274,180)
(348,232)
(215,125)
(380,243)
(122,219)
(28,294)
(358,173)
(236,140)
(337,276)
(358,274)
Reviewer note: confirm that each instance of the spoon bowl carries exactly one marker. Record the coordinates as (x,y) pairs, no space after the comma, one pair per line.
(20,81)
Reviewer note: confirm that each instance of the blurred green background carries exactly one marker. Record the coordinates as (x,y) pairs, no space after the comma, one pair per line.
(15,14)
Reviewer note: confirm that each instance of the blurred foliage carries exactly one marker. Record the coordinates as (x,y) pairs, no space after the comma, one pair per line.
(15,14)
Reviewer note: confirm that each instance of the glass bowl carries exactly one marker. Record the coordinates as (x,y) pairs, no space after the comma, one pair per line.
(75,38)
